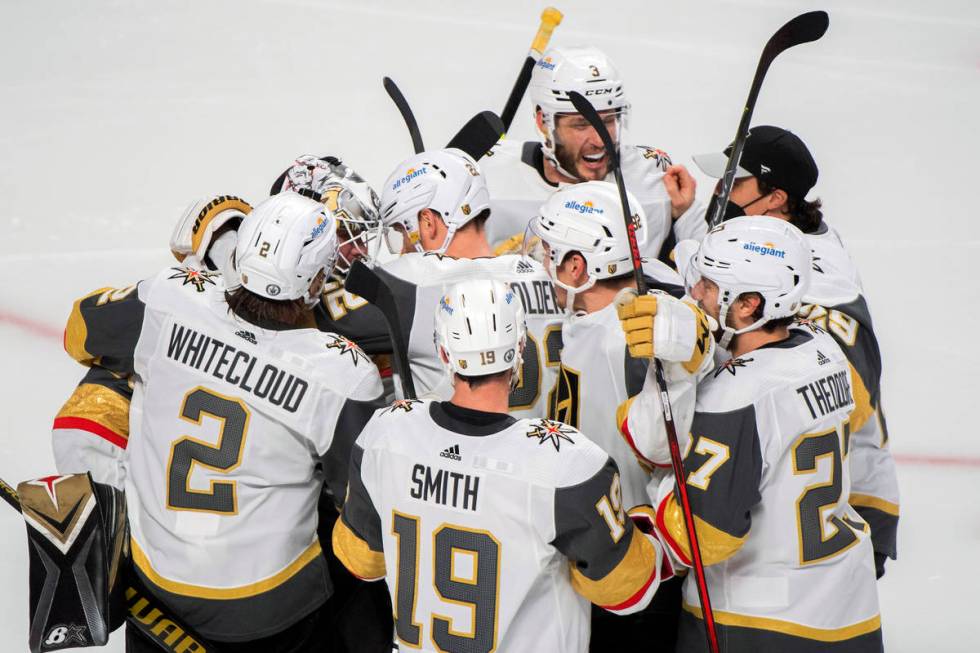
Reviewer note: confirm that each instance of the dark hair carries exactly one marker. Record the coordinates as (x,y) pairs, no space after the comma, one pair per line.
(479,221)
(483,379)
(771,325)
(261,311)
(805,216)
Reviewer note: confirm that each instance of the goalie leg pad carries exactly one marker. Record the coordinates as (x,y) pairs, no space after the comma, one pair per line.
(77,538)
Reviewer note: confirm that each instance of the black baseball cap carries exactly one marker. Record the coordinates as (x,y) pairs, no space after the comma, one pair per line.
(771,154)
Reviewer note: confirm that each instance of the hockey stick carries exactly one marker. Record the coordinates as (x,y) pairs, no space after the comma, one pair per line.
(413,127)
(612,151)
(479,134)
(143,611)
(550,19)
(365,282)
(802,29)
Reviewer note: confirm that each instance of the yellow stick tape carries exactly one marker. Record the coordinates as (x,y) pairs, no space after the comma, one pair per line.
(550,19)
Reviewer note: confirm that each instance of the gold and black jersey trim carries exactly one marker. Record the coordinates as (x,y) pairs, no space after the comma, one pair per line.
(355,553)
(792,628)
(715,544)
(98,410)
(628,580)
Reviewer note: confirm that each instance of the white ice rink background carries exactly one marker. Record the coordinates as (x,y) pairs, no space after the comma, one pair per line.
(115,115)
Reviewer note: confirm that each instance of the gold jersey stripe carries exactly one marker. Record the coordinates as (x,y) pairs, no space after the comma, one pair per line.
(792,628)
(868,501)
(355,553)
(862,401)
(101,405)
(224,593)
(76,331)
(625,580)
(715,544)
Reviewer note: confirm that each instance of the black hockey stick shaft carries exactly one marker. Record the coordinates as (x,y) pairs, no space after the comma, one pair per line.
(365,282)
(399,99)
(612,152)
(802,29)
(478,135)
(550,19)
(143,611)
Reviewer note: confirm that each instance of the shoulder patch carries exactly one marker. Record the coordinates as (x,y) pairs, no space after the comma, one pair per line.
(660,158)
(197,278)
(546,430)
(402,405)
(346,346)
(732,365)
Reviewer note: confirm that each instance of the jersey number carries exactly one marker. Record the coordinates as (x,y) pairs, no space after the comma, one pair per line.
(466,572)
(529,386)
(226,455)
(821,533)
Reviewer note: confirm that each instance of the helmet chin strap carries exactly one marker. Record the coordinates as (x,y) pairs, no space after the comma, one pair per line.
(728,333)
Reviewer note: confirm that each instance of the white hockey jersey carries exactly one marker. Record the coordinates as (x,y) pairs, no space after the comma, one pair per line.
(513,170)
(788,561)
(492,533)
(229,424)
(418,280)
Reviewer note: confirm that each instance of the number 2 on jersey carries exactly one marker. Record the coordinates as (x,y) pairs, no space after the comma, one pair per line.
(225,456)
(466,571)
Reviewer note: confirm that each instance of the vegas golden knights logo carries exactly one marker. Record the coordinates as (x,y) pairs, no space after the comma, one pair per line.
(563,400)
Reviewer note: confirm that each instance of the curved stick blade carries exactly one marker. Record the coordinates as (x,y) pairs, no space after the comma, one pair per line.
(479,134)
(399,99)
(802,29)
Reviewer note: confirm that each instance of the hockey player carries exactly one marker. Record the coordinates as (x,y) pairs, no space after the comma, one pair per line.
(240,411)
(521,176)
(775,174)
(473,518)
(587,255)
(767,469)
(434,208)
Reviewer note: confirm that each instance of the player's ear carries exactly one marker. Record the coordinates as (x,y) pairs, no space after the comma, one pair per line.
(779,201)
(579,268)
(539,120)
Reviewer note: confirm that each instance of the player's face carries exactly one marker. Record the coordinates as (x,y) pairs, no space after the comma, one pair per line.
(705,293)
(578,146)
(746,193)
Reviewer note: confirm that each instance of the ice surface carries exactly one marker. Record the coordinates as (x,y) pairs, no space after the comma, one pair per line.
(115,115)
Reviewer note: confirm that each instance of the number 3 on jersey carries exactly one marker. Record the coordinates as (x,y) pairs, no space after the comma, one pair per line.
(225,456)
(466,572)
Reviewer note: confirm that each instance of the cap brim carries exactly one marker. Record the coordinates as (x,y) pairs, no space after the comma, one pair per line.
(714,164)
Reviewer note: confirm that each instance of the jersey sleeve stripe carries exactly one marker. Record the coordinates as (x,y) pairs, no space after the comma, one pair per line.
(97,409)
(627,582)
(76,331)
(789,628)
(622,419)
(715,544)
(869,501)
(355,554)
(89,426)
(863,410)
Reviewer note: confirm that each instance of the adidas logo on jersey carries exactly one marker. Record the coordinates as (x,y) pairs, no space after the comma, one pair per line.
(821,358)
(523,267)
(247,335)
(451,452)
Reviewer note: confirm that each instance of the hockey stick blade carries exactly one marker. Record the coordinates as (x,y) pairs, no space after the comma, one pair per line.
(399,99)
(479,134)
(805,28)
(365,282)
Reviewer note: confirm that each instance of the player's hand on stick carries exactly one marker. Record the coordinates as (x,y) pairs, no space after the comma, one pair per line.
(680,187)
(636,313)
(659,325)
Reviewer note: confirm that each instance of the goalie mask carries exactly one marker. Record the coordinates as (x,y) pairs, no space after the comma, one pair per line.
(757,254)
(586,218)
(350,199)
(586,70)
(284,245)
(448,182)
(479,328)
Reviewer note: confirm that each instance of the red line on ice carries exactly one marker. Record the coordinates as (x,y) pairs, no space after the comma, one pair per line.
(31,326)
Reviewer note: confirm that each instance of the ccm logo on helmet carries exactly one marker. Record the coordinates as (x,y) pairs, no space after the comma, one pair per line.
(768,249)
(410,174)
(598,91)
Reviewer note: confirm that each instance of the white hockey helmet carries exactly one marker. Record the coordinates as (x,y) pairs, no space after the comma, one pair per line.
(587,218)
(194,231)
(345,193)
(586,70)
(759,254)
(448,182)
(286,242)
(479,328)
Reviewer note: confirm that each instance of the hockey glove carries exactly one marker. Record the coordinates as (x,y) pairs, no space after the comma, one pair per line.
(662,326)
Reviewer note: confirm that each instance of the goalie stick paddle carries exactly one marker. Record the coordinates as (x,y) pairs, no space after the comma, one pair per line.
(589,113)
(365,282)
(399,99)
(550,19)
(143,611)
(802,29)
(478,135)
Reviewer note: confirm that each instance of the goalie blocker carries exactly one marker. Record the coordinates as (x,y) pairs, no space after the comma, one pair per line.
(77,539)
